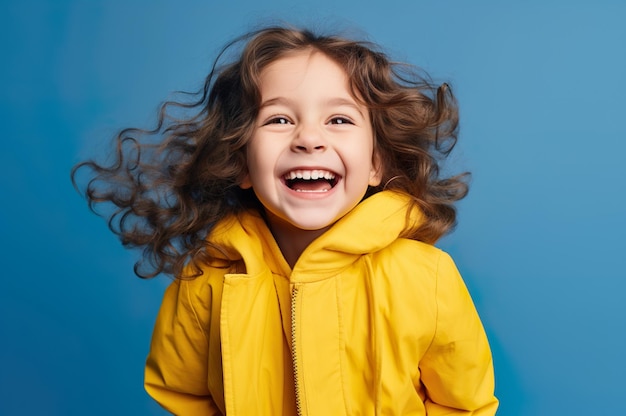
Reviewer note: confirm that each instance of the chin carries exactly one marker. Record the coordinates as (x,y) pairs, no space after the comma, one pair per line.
(312,226)
(315,219)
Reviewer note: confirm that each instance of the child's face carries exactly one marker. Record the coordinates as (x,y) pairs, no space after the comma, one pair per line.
(311,157)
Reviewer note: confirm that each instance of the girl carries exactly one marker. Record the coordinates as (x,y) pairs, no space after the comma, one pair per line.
(297,208)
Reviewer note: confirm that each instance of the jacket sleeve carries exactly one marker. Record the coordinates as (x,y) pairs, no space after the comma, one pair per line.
(457,369)
(177,364)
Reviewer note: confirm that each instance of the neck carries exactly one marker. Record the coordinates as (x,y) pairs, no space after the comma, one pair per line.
(291,240)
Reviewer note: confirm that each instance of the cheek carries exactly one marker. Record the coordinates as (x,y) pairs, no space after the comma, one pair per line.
(363,169)
(253,157)
(252,165)
(376,171)
(261,162)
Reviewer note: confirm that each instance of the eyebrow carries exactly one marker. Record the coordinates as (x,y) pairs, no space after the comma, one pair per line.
(275,101)
(338,101)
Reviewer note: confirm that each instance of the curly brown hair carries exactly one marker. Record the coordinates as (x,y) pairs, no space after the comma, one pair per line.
(169,194)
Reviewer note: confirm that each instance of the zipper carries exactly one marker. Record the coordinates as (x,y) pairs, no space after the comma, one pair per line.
(294,357)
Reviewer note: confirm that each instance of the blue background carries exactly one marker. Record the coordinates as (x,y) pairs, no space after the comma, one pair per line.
(541,237)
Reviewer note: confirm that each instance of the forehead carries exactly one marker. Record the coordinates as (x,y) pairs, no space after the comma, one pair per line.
(310,70)
(303,65)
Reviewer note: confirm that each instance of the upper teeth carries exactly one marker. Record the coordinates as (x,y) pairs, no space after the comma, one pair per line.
(310,174)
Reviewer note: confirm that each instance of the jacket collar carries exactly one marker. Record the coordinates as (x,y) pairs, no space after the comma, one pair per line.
(372,225)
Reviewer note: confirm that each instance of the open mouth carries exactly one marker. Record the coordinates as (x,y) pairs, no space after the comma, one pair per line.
(316,180)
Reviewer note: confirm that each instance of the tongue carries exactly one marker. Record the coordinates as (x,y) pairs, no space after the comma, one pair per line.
(311,185)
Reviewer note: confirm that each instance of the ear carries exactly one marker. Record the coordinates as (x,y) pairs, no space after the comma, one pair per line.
(246,183)
(376,171)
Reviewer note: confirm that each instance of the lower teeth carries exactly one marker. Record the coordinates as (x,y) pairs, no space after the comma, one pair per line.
(304,190)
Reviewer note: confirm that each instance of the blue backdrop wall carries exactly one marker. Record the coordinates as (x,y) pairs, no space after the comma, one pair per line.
(541,237)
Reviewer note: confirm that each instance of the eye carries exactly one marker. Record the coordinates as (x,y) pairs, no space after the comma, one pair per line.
(278,120)
(340,120)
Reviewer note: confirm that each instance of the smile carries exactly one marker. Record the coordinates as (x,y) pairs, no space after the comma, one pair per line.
(314,180)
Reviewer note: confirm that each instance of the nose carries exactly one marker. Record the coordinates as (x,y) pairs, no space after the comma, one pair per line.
(309,138)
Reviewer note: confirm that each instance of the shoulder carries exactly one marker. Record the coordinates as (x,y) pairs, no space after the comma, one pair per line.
(195,296)
(414,266)
(416,255)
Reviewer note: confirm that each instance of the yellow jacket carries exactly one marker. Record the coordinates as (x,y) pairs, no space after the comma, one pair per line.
(366,323)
